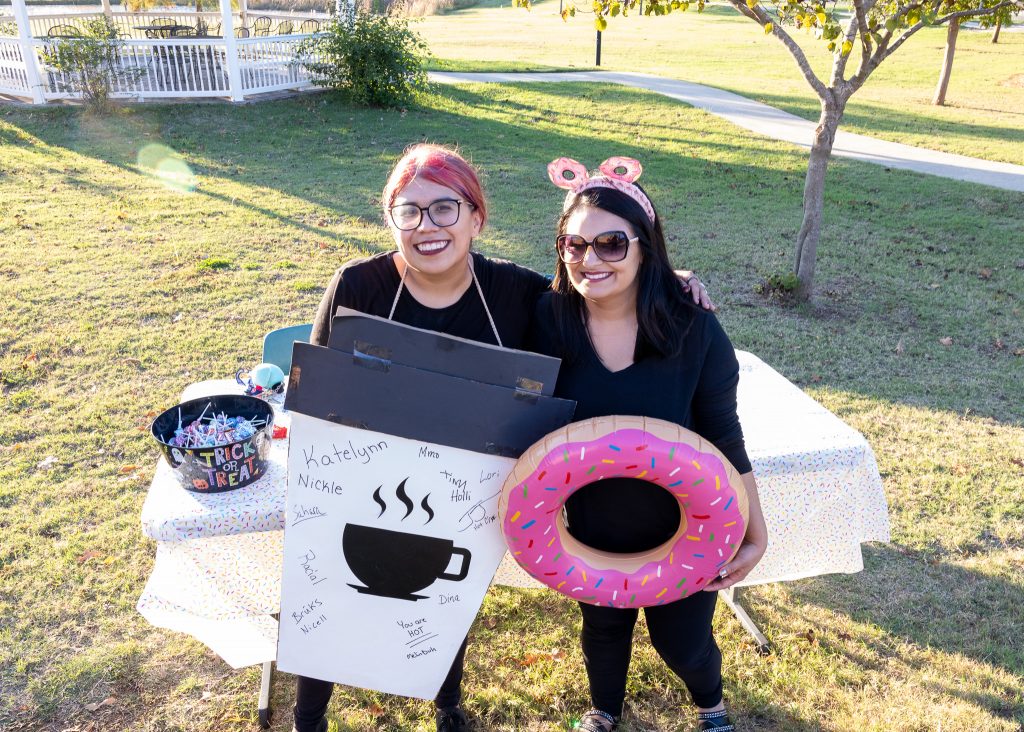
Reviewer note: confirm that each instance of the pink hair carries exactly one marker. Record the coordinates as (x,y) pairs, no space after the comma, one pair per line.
(441,165)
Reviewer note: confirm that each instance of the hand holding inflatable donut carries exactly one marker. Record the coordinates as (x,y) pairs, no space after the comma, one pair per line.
(713,510)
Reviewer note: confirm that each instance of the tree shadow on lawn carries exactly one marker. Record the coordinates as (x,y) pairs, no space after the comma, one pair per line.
(869,115)
(525,671)
(930,603)
(731,202)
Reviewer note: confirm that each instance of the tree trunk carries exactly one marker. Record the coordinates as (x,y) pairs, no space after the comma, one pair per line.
(995,33)
(814,193)
(947,62)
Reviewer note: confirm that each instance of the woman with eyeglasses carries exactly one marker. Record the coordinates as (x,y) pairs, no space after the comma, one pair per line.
(633,344)
(434,206)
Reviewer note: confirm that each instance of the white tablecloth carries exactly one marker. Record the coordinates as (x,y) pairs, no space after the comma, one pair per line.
(217,573)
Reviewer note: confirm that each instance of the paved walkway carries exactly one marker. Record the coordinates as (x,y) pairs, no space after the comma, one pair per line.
(772,122)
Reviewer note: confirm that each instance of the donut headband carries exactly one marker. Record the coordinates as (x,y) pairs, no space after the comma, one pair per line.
(617,172)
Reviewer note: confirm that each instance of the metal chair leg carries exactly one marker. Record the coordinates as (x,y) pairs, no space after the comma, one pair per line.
(264,706)
(729,597)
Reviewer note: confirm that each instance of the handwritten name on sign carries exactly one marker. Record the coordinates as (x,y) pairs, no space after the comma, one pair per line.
(320,484)
(309,617)
(312,573)
(341,455)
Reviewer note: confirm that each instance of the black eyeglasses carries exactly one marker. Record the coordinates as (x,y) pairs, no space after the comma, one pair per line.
(443,212)
(609,246)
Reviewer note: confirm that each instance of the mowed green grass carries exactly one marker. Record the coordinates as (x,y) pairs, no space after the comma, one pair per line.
(119,291)
(983,117)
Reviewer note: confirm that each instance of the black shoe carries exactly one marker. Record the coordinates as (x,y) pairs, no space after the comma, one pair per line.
(715,721)
(321,727)
(597,721)
(452,719)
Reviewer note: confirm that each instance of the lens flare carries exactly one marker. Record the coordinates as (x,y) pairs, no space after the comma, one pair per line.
(168,167)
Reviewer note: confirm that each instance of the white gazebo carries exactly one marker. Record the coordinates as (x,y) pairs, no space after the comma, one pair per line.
(163,53)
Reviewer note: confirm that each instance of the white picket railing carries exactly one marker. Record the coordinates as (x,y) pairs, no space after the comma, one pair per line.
(176,68)
(271,64)
(153,69)
(133,25)
(13,78)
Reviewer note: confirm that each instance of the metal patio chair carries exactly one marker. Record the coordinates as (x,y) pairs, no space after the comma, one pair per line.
(64,31)
(261,26)
(310,26)
(284,28)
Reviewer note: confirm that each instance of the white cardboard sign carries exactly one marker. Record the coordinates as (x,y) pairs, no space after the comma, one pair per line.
(390,545)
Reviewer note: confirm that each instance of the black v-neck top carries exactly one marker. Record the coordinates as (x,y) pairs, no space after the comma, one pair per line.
(369,286)
(696,390)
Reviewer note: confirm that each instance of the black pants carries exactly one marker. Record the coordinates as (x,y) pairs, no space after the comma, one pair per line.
(680,633)
(313,695)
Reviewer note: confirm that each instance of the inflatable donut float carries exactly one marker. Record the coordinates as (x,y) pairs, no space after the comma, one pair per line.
(713,510)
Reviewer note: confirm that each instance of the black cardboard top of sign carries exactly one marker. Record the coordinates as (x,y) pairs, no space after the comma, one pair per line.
(420,405)
(388,342)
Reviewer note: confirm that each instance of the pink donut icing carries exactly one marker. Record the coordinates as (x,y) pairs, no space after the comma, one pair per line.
(714,525)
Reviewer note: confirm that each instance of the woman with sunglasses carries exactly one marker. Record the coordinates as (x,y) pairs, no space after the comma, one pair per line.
(632,344)
(434,206)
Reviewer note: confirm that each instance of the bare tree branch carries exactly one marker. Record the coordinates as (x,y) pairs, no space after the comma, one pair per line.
(945,19)
(839,64)
(798,53)
(749,12)
(865,36)
(880,50)
(980,11)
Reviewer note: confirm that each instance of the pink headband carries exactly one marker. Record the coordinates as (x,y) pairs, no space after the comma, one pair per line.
(618,173)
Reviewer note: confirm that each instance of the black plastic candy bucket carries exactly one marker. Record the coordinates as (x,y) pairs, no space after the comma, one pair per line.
(221,468)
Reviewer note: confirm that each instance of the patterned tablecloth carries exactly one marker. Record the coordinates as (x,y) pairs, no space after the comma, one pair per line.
(217,573)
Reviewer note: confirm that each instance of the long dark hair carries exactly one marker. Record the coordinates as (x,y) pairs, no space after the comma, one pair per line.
(663,313)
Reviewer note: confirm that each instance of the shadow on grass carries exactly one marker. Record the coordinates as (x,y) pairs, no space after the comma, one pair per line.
(931,603)
(731,203)
(524,671)
(870,116)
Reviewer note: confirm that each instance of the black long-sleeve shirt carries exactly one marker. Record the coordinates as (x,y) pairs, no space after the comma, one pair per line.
(696,390)
(369,286)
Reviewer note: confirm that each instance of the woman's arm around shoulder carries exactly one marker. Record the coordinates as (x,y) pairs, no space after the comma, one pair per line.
(543,335)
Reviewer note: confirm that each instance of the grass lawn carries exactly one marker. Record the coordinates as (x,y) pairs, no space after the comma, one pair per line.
(984,115)
(120,290)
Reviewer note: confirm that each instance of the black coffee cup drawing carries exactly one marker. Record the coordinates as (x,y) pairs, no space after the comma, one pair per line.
(398,564)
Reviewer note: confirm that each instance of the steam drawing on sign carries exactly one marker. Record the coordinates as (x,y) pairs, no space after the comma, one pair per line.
(398,564)
(404,498)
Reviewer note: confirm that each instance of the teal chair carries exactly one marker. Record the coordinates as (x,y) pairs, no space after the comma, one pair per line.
(277,344)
